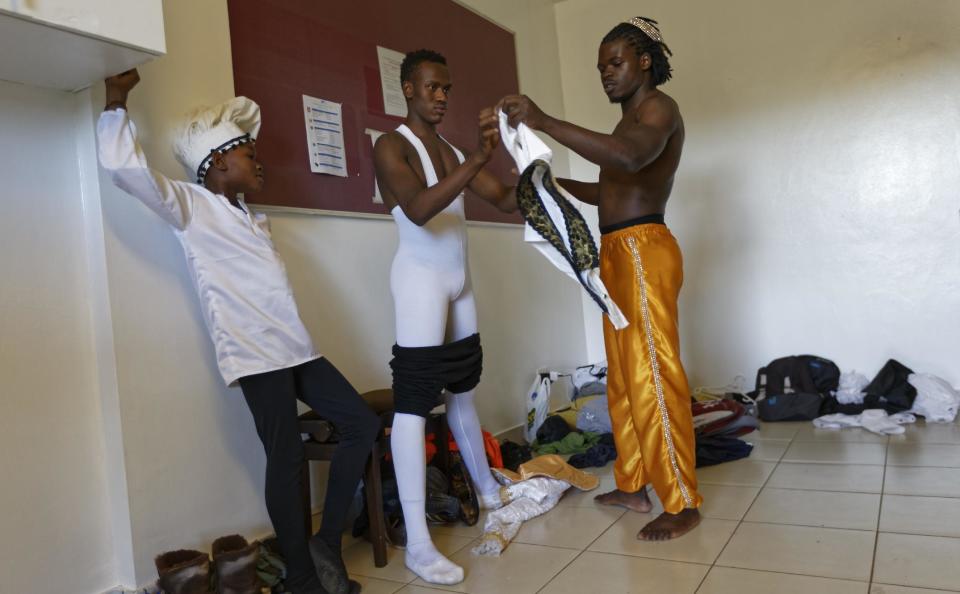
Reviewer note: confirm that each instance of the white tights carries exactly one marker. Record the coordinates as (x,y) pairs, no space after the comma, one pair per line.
(407,443)
(434,304)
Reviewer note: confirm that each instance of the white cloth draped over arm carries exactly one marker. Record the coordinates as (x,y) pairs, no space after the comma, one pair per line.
(122,157)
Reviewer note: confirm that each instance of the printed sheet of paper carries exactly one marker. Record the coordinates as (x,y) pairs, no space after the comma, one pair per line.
(324,122)
(394,102)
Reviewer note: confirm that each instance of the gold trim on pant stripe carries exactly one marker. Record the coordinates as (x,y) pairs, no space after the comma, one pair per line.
(655,364)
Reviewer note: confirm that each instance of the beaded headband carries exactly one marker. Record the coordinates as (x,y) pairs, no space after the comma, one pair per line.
(649,28)
(226,146)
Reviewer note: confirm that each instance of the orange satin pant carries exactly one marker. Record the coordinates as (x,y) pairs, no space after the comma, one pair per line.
(647,389)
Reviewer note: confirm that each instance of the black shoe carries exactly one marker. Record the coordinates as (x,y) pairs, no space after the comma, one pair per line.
(462,488)
(312,588)
(307,591)
(330,568)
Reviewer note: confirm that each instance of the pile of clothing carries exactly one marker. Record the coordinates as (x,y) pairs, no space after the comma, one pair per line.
(532,491)
(585,431)
(588,449)
(897,389)
(895,397)
(717,425)
(588,410)
(811,388)
(588,406)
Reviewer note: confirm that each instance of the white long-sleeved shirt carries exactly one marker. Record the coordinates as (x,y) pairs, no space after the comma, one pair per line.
(247,302)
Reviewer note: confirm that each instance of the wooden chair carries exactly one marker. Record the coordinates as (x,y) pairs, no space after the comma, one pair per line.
(322,444)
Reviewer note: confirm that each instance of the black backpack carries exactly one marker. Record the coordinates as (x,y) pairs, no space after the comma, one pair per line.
(890,390)
(795,387)
(807,373)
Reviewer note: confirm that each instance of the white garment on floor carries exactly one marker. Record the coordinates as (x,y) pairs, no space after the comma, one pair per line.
(525,148)
(936,400)
(245,297)
(850,390)
(875,420)
(527,499)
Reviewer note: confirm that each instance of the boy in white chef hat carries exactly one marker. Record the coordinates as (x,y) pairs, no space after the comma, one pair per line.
(251,316)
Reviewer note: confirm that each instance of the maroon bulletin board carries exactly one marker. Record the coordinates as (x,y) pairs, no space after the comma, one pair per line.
(284,49)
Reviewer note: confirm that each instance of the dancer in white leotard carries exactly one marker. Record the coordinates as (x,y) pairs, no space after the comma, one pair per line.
(422,179)
(429,275)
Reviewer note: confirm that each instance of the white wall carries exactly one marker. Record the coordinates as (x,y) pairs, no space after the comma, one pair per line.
(193,463)
(53,503)
(816,203)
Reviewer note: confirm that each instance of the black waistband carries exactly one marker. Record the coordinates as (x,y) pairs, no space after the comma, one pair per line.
(650,219)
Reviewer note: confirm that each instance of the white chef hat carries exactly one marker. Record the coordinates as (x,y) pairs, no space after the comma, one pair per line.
(215,129)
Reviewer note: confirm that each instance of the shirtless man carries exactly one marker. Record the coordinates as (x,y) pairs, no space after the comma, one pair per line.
(422,179)
(641,266)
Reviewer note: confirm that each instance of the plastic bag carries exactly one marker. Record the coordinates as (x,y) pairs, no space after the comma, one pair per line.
(851,387)
(538,403)
(594,416)
(590,380)
(937,400)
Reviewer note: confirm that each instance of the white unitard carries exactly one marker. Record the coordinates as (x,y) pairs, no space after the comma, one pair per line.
(430,279)
(434,305)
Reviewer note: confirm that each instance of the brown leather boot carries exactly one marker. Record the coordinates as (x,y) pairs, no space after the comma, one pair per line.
(236,565)
(184,572)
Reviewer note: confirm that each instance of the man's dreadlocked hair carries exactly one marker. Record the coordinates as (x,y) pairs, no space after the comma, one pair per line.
(643,44)
(414,59)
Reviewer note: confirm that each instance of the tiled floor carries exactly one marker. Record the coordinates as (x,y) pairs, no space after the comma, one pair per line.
(826,512)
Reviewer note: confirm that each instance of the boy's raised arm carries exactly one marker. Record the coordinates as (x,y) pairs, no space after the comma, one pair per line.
(121,156)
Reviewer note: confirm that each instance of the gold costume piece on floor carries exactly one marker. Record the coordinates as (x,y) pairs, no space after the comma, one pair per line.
(647,388)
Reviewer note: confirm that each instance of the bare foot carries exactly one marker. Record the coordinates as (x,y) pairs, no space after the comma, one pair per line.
(667,526)
(638,502)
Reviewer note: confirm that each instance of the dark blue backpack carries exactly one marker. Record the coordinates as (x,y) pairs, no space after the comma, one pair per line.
(794,388)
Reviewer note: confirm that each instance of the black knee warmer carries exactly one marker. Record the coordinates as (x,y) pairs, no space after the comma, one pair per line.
(420,374)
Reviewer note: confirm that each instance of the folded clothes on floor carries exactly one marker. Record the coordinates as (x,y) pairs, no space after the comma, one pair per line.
(722,417)
(597,456)
(594,415)
(574,443)
(571,413)
(717,450)
(874,419)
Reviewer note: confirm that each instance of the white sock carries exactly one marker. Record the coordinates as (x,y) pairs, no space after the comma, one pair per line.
(426,561)
(490,501)
(465,426)
(409,461)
